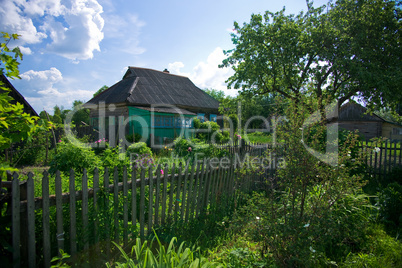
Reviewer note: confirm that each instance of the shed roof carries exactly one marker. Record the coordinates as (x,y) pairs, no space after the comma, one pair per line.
(352,111)
(144,87)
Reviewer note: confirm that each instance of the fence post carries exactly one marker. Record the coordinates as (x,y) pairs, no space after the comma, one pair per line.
(16,221)
(31,221)
(46,219)
(73,234)
(59,213)
(150,210)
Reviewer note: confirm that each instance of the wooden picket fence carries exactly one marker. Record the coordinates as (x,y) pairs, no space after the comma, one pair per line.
(146,199)
(382,158)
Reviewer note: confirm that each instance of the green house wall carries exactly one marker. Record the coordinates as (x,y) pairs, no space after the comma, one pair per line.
(140,122)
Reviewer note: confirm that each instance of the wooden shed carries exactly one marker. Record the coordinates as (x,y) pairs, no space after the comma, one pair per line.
(156,104)
(353,116)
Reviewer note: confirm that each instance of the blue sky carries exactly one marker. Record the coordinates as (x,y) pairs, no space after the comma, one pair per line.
(73,47)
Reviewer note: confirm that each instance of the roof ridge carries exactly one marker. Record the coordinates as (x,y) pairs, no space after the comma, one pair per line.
(143,68)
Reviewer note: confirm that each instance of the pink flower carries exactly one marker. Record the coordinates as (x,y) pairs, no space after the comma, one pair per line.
(238,136)
(59,140)
(161,171)
(189,149)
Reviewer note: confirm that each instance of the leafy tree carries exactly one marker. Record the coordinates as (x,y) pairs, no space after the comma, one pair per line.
(81,116)
(349,49)
(218,95)
(15,124)
(100,90)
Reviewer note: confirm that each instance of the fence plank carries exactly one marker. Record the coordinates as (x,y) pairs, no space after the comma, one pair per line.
(73,220)
(385,160)
(164,198)
(195,192)
(178,201)
(171,190)
(46,219)
(183,197)
(207,188)
(59,213)
(116,204)
(134,197)
(200,188)
(106,206)
(150,199)
(84,205)
(157,193)
(16,221)
(125,212)
(96,207)
(142,204)
(31,221)
(189,193)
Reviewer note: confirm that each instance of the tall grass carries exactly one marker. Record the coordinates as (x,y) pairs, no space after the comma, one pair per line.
(143,255)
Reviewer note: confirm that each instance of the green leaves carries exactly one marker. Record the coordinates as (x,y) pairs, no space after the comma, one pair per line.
(351,48)
(9,57)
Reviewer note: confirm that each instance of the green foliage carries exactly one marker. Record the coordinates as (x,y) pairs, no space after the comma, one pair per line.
(315,211)
(390,204)
(33,151)
(74,156)
(218,95)
(15,124)
(60,260)
(210,131)
(142,255)
(133,137)
(113,157)
(100,90)
(139,148)
(191,149)
(9,57)
(321,53)
(378,250)
(81,115)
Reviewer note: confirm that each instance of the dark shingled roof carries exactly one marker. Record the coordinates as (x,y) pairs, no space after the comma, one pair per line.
(17,96)
(144,87)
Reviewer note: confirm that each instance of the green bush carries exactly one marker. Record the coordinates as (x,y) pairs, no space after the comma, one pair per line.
(74,156)
(139,148)
(210,131)
(112,157)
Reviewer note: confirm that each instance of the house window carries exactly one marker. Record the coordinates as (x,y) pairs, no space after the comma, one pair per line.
(160,121)
(201,117)
(396,131)
(212,118)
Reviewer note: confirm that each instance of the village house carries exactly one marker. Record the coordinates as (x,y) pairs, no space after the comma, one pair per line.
(155,104)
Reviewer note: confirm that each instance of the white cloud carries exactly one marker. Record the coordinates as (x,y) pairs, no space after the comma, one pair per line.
(175,67)
(123,33)
(73,28)
(207,74)
(25,50)
(13,20)
(45,89)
